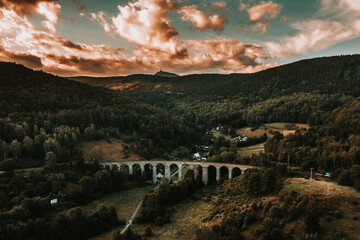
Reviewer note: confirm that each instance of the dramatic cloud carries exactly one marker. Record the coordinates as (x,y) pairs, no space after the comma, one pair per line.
(23,58)
(260,15)
(47,8)
(267,11)
(335,23)
(24,7)
(146,23)
(228,53)
(154,40)
(51,12)
(201,20)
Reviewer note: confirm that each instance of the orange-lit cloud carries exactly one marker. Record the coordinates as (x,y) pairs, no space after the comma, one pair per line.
(260,27)
(313,35)
(50,9)
(201,20)
(260,15)
(146,23)
(219,5)
(228,53)
(24,7)
(100,17)
(147,26)
(317,34)
(265,10)
(243,6)
(26,59)
(51,12)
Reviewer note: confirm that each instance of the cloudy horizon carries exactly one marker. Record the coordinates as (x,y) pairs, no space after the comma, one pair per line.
(79,37)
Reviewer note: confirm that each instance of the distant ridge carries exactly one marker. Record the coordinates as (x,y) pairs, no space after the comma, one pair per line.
(165,74)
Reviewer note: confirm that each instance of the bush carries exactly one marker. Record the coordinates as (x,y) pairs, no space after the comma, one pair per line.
(205,234)
(148,232)
(276,212)
(128,235)
(338,214)
(159,221)
(250,218)
(293,212)
(8,165)
(345,178)
(269,224)
(312,217)
(267,207)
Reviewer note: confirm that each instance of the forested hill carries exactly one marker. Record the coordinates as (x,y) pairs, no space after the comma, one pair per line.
(338,74)
(40,112)
(25,90)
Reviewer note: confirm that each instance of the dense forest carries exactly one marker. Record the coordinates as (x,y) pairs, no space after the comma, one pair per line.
(306,91)
(43,118)
(40,113)
(323,92)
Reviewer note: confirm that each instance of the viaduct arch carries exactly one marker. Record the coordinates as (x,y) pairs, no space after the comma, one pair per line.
(228,170)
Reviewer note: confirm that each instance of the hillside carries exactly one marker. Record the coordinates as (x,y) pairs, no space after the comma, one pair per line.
(306,91)
(323,75)
(37,108)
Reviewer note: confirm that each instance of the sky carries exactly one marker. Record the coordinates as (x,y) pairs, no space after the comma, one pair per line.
(118,37)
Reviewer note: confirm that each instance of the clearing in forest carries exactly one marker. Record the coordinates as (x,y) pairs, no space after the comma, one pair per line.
(269,128)
(110,150)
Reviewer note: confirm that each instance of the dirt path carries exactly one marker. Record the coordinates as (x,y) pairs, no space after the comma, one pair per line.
(186,219)
(125,203)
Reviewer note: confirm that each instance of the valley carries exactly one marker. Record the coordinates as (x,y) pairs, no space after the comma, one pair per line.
(286,122)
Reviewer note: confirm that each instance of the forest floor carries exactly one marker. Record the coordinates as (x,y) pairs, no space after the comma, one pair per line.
(112,150)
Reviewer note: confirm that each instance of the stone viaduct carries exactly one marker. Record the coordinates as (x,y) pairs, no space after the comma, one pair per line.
(172,168)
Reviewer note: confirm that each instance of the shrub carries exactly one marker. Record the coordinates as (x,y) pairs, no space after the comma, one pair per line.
(148,232)
(312,217)
(276,212)
(267,207)
(205,234)
(338,214)
(345,178)
(268,224)
(159,221)
(8,165)
(293,212)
